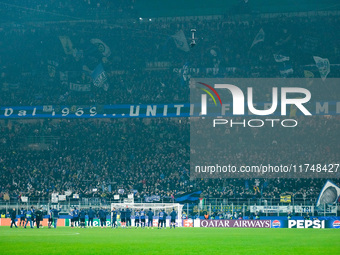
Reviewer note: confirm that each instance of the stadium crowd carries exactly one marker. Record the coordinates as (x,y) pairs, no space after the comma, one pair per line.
(143,64)
(102,158)
(144,156)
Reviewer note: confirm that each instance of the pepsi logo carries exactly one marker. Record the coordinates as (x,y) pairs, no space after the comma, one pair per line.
(276,224)
(336,224)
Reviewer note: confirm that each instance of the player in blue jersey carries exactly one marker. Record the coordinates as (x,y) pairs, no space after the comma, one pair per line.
(128,217)
(55,214)
(50,217)
(122,217)
(173,216)
(22,217)
(72,217)
(142,218)
(150,218)
(76,217)
(137,218)
(82,215)
(164,218)
(29,218)
(114,218)
(33,215)
(91,215)
(161,215)
(102,217)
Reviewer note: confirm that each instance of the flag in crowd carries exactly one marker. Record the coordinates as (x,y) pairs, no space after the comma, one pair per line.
(323,65)
(329,194)
(188,197)
(185,74)
(180,41)
(77,54)
(285,199)
(286,70)
(67,44)
(280,58)
(24,199)
(308,74)
(80,87)
(293,110)
(99,77)
(62,197)
(258,38)
(153,198)
(52,67)
(102,47)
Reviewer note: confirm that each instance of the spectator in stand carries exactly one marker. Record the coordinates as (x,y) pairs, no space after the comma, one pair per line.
(115,151)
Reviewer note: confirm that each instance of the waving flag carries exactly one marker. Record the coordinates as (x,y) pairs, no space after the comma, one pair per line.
(80,87)
(286,70)
(258,38)
(67,44)
(52,67)
(153,198)
(102,47)
(323,65)
(185,74)
(308,74)
(181,41)
(189,197)
(285,199)
(329,194)
(100,78)
(280,58)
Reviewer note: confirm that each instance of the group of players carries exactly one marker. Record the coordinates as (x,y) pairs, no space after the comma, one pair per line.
(34,217)
(140,216)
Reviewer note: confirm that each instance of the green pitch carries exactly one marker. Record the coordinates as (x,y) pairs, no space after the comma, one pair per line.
(65,240)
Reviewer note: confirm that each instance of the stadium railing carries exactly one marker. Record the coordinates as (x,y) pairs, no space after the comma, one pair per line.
(211,206)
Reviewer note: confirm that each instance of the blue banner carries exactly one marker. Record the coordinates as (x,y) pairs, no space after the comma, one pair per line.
(153,198)
(137,111)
